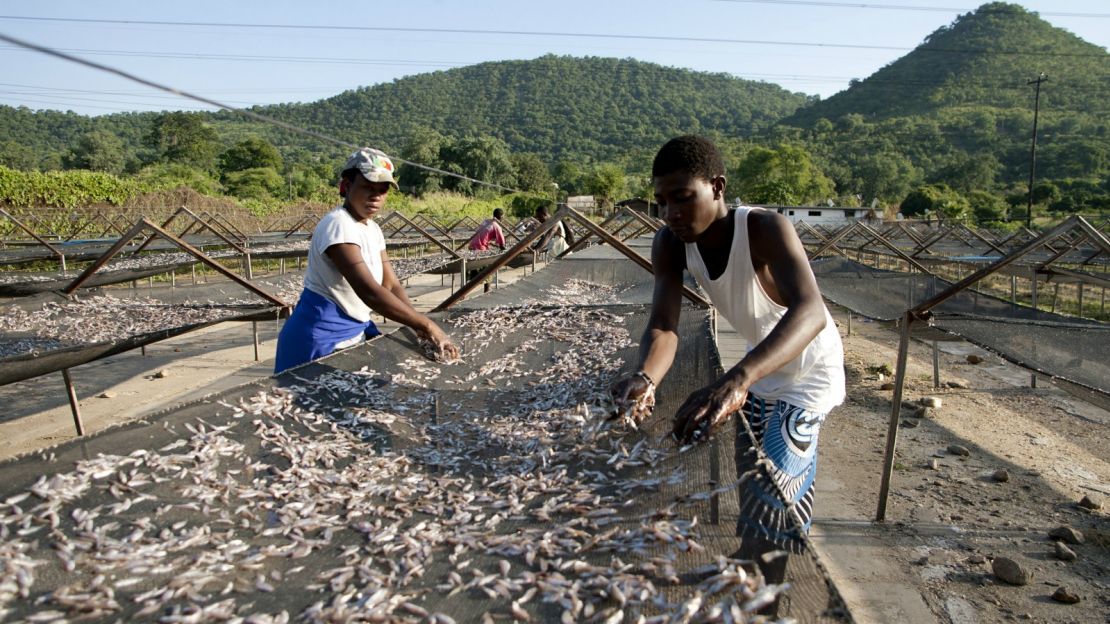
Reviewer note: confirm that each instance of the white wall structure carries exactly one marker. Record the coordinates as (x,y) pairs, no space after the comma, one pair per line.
(827,215)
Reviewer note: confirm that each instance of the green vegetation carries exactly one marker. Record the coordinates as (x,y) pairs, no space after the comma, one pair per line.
(945,128)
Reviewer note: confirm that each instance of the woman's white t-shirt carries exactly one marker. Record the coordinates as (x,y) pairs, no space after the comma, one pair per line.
(324,279)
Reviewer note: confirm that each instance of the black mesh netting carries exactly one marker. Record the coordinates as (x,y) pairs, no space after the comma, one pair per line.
(377,484)
(1060,346)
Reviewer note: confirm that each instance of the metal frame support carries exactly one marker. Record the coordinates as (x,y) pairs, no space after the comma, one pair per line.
(74,405)
(143,224)
(895,412)
(57,252)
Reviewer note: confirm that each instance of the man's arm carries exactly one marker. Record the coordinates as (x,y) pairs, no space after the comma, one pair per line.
(499,236)
(635,395)
(660,340)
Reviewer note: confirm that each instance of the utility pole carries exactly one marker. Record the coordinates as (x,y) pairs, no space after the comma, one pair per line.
(1033,152)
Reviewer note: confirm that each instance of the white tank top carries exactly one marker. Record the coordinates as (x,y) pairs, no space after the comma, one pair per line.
(813,380)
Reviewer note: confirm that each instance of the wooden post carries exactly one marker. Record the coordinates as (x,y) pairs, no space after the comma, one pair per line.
(74,406)
(936,365)
(895,412)
(254,331)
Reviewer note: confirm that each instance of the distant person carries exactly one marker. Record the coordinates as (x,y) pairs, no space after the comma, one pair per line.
(555,240)
(349,274)
(489,232)
(754,269)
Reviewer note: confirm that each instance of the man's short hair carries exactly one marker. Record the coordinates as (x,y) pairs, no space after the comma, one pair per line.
(498,213)
(694,154)
(541,211)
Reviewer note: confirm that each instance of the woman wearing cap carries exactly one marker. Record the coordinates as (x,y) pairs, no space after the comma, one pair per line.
(349,275)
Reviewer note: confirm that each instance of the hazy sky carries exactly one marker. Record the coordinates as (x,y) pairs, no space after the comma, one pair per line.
(233,50)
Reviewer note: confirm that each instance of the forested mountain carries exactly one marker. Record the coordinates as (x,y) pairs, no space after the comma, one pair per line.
(555,106)
(983,59)
(951,120)
(958,111)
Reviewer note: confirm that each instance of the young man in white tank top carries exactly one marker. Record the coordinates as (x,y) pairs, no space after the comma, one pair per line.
(754,268)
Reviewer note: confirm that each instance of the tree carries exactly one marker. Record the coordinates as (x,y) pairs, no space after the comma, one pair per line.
(183,138)
(423,147)
(250,153)
(256,183)
(782,176)
(936,199)
(96,151)
(174,175)
(986,207)
(569,174)
(531,172)
(15,155)
(884,176)
(606,182)
(482,158)
(969,172)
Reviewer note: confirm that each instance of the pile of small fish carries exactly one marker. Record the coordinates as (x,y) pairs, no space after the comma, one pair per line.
(98,319)
(16,277)
(389,496)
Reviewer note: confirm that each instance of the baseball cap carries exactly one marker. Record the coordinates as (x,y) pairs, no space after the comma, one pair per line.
(374,165)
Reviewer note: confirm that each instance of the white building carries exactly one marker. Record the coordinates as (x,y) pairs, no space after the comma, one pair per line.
(827,215)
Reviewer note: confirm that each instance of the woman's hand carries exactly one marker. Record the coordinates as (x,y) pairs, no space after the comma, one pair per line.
(444,349)
(706,410)
(633,397)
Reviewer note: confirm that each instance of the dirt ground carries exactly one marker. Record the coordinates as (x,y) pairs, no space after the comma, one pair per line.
(949,516)
(1032,455)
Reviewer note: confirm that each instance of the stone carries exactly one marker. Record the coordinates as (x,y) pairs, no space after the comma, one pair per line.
(107,394)
(1065,595)
(887,386)
(956,449)
(977,559)
(909,423)
(884,369)
(880,377)
(162,374)
(974,359)
(1063,553)
(934,464)
(922,412)
(1001,475)
(1091,502)
(1010,571)
(1066,534)
(930,401)
(955,383)
(922,561)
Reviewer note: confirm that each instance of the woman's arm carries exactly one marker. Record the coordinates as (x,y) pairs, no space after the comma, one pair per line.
(348,260)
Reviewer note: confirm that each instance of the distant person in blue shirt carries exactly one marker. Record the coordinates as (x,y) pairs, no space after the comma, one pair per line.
(349,275)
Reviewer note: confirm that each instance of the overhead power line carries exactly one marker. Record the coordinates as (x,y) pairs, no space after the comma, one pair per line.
(536,33)
(897,7)
(241,111)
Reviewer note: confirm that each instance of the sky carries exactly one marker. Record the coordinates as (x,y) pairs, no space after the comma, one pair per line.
(247,52)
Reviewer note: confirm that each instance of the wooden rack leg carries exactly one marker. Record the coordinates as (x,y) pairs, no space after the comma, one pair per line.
(254,330)
(936,365)
(73,405)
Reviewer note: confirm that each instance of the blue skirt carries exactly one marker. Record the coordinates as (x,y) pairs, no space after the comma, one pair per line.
(313,329)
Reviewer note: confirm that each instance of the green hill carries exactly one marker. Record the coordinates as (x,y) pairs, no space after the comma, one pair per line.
(958,110)
(985,59)
(554,105)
